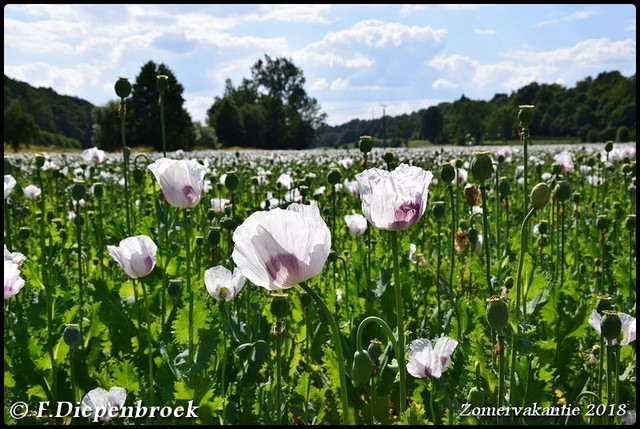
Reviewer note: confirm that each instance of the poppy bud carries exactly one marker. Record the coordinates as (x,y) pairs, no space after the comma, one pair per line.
(138,176)
(374,350)
(39,160)
(333,177)
(174,288)
(228,223)
(610,325)
(279,305)
(540,195)
(472,235)
(78,220)
(333,256)
(482,167)
(556,168)
(497,314)
(504,187)
(365,144)
(576,197)
(447,173)
(525,115)
(438,210)
(630,222)
(305,299)
(362,366)
(71,336)
(231,181)
(123,87)
(98,190)
(563,191)
(459,163)
(602,223)
(476,397)
(508,282)
(543,227)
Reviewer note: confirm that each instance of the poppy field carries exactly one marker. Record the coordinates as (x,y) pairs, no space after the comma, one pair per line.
(444,285)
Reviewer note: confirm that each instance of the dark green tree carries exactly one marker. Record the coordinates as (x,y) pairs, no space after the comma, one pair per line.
(225,118)
(106,126)
(431,124)
(143,115)
(19,126)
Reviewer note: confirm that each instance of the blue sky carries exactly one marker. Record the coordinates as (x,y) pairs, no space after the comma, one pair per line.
(354,58)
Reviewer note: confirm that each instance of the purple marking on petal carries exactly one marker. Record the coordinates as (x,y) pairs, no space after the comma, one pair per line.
(405,215)
(444,360)
(190,193)
(427,372)
(282,267)
(148,263)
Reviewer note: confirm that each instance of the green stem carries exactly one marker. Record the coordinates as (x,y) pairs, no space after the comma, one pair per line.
(497,192)
(80,278)
(431,404)
(307,357)
(501,373)
(125,157)
(485,234)
(74,393)
(278,374)
(341,362)
(438,280)
(525,137)
(224,364)
(162,126)
(609,378)
(400,322)
(7,228)
(452,256)
(187,222)
(149,348)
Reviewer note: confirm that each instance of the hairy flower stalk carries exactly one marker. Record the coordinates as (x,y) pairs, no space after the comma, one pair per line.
(525,118)
(482,170)
(123,90)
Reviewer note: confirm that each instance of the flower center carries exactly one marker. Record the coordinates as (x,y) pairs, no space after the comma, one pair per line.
(405,215)
(190,193)
(283,268)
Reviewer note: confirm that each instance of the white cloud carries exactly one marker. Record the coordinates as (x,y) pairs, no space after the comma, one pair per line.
(298,13)
(319,84)
(575,16)
(485,31)
(339,85)
(443,84)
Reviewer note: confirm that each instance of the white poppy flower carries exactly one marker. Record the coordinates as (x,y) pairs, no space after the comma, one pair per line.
(181,181)
(356,223)
(103,405)
(12,280)
(395,200)
(628,327)
(222,284)
(428,361)
(15,257)
(136,255)
(9,184)
(277,249)
(31,192)
(93,155)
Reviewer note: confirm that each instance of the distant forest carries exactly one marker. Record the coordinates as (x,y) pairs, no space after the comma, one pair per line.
(595,110)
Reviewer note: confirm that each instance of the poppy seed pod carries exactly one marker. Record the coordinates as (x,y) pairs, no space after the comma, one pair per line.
(174,288)
(374,350)
(525,115)
(78,190)
(362,366)
(333,256)
(630,222)
(604,303)
(71,336)
(24,232)
(213,236)
(305,299)
(608,146)
(472,235)
(365,144)
(123,87)
(279,305)
(556,168)
(388,157)
(610,325)
(98,190)
(504,187)
(482,167)
(78,220)
(39,160)
(540,195)
(333,177)
(602,223)
(438,210)
(162,82)
(543,227)
(563,191)
(497,314)
(576,198)
(447,173)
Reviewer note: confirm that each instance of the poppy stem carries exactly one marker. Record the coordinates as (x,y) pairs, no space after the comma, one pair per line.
(485,234)
(149,349)
(400,322)
(341,362)
(187,223)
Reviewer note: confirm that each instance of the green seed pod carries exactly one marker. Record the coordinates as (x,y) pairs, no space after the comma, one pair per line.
(78,220)
(602,223)
(540,195)
(476,397)
(24,232)
(123,87)
(374,350)
(556,168)
(305,299)
(228,223)
(504,187)
(71,336)
(162,82)
(497,314)
(333,256)
(98,190)
(40,160)
(78,191)
(199,241)
(174,288)
(362,367)
(525,115)
(388,157)
(604,303)
(563,191)
(447,173)
(508,282)
(231,181)
(576,198)
(459,163)
(279,305)
(630,222)
(365,144)
(610,325)
(543,227)
(333,177)
(608,146)
(438,210)
(482,167)
(138,176)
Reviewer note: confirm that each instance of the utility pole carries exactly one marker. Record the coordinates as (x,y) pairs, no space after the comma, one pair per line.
(384,127)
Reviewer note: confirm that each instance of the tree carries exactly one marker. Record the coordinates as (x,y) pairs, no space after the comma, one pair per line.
(106,126)
(431,124)
(287,118)
(143,115)
(19,126)
(225,118)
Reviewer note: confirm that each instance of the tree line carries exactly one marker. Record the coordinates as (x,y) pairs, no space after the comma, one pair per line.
(271,110)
